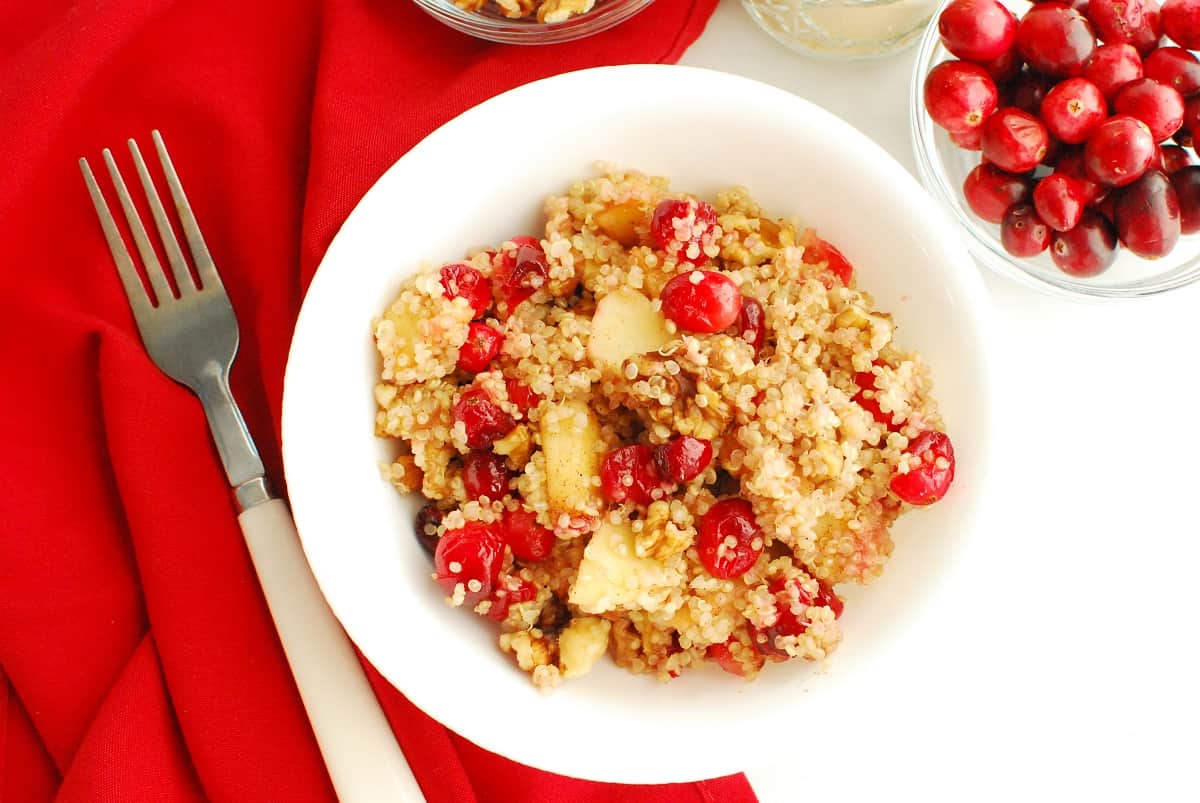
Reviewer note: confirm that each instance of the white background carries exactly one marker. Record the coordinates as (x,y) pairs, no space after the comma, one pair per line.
(1061,661)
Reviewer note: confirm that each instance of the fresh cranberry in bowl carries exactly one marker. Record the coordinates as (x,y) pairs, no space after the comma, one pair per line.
(1187,190)
(977,30)
(1014,140)
(1006,68)
(1174,158)
(1119,151)
(1071,164)
(1147,216)
(482,346)
(1059,201)
(990,191)
(1055,40)
(969,140)
(1157,105)
(1073,109)
(1023,233)
(1027,92)
(1181,22)
(1117,21)
(1086,250)
(1112,67)
(1175,67)
(959,95)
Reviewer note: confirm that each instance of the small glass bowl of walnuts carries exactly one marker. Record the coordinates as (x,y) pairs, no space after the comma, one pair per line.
(532,22)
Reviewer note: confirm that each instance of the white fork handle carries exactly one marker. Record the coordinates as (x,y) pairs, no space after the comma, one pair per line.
(364,761)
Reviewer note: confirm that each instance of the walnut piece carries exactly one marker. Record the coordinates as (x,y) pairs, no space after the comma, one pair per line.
(560,10)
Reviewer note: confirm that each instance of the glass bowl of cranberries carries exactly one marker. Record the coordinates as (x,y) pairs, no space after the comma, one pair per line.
(1060,137)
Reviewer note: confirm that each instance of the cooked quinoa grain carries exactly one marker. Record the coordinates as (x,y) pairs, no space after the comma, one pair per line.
(803,428)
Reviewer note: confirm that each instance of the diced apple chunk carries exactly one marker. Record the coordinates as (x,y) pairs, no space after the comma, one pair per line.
(611,576)
(581,644)
(398,333)
(621,222)
(625,325)
(570,436)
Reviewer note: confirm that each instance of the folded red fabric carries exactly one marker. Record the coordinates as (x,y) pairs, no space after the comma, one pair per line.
(138,660)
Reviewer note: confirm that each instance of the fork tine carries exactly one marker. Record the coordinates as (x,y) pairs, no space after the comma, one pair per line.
(139,302)
(154,271)
(205,268)
(183,279)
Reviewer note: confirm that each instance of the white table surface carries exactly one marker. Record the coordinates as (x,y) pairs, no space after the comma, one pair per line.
(1061,661)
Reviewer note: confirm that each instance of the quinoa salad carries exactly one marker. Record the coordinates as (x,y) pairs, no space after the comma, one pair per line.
(666,429)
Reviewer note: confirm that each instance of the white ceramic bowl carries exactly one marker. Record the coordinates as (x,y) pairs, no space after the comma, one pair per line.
(459,188)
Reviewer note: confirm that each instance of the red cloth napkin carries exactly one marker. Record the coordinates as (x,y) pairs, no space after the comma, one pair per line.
(137,659)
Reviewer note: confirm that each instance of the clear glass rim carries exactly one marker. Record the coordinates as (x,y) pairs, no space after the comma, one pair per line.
(529,31)
(879,48)
(984,249)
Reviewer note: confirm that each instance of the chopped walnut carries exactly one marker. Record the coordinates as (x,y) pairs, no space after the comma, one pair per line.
(561,10)
(515,9)
(516,446)
(470,5)
(667,530)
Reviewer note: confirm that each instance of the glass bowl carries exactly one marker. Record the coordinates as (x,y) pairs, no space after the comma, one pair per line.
(495,27)
(842,29)
(942,166)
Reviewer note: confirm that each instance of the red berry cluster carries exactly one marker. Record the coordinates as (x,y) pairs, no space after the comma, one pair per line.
(1072,106)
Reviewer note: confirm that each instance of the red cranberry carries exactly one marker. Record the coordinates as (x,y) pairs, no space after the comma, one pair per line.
(1146,38)
(969,140)
(1071,164)
(426,527)
(789,593)
(1187,189)
(752,323)
(630,473)
(701,301)
(724,657)
(528,540)
(866,397)
(1023,233)
(482,346)
(1073,109)
(1181,22)
(1119,151)
(682,459)
(485,422)
(990,191)
(1087,249)
(1112,67)
(485,476)
(522,270)
(1176,68)
(959,95)
(1014,140)
(683,228)
(1116,21)
(1059,201)
(1005,68)
(1147,214)
(977,30)
(1191,121)
(729,540)
(835,261)
(1055,39)
(471,556)
(930,469)
(463,281)
(504,597)
(1174,158)
(1157,105)
(1028,92)
(520,395)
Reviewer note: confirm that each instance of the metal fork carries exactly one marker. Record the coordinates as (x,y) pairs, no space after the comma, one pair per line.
(192,336)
